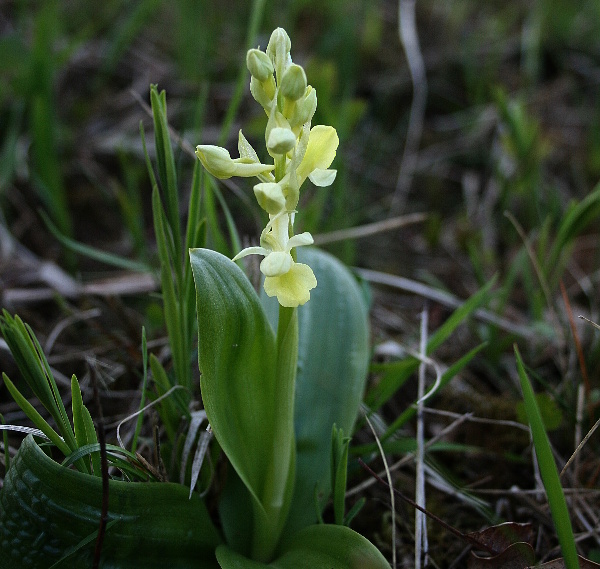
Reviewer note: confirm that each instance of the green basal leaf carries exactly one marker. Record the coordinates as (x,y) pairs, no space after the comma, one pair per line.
(127,462)
(333,359)
(577,217)
(241,391)
(326,546)
(47,511)
(235,513)
(92,252)
(170,289)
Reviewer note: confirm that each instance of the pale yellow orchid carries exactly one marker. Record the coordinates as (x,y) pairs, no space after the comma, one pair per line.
(292,288)
(320,152)
(298,151)
(313,154)
(286,279)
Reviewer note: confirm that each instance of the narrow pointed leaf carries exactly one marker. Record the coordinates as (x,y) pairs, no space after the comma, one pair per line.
(548,470)
(34,415)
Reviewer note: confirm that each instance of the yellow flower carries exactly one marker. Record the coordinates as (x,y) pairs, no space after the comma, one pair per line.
(284,278)
(320,152)
(314,153)
(292,288)
(299,152)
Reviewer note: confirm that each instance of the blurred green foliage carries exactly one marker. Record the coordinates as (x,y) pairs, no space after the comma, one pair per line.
(513,106)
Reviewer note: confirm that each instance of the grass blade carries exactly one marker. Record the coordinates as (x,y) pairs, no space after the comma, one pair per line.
(92,252)
(34,416)
(548,470)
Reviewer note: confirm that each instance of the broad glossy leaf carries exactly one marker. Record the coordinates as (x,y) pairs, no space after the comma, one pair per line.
(241,390)
(47,509)
(326,546)
(333,357)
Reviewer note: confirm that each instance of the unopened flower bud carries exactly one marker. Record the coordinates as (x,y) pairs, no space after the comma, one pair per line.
(278,50)
(216,160)
(219,163)
(269,196)
(263,96)
(304,109)
(293,82)
(281,140)
(259,64)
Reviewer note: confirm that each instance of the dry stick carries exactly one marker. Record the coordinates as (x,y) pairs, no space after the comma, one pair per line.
(586,382)
(580,446)
(391,488)
(103,468)
(578,427)
(583,389)
(370,228)
(66,322)
(444,298)
(142,410)
(590,321)
(582,366)
(538,270)
(410,457)
(407,30)
(469,417)
(463,536)
(420,525)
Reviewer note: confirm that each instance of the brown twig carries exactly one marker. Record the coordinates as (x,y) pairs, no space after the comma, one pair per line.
(584,373)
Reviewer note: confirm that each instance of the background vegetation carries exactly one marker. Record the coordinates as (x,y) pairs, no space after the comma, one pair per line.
(506,169)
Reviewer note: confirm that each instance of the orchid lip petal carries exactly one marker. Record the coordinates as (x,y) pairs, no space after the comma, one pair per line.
(293,288)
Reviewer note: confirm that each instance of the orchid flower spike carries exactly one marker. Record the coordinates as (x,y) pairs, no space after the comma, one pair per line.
(298,152)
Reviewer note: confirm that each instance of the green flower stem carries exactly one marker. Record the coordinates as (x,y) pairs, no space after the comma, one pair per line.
(279,168)
(279,483)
